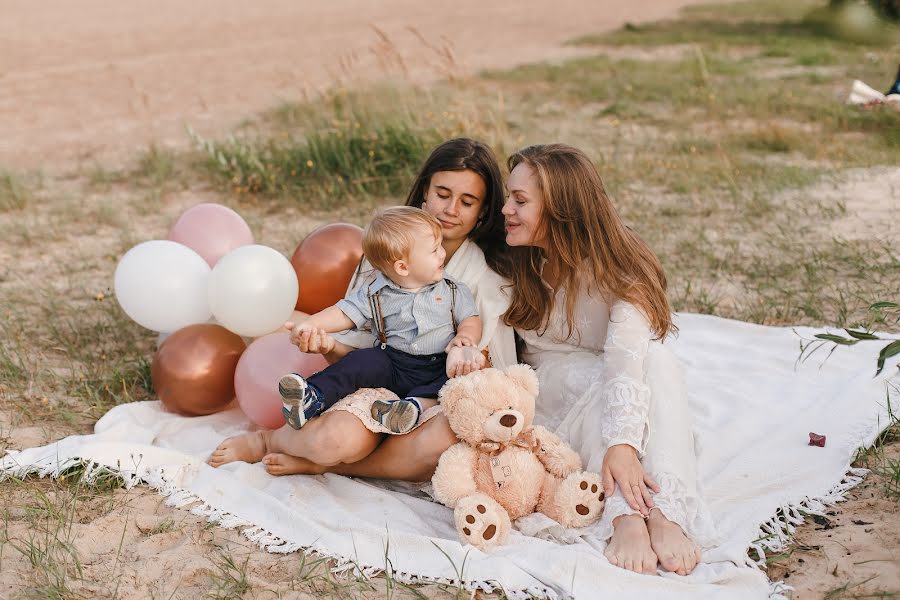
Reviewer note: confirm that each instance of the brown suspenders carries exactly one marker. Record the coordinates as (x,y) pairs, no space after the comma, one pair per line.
(378,319)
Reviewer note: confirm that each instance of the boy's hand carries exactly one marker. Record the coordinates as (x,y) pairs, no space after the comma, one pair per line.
(310,339)
(462,360)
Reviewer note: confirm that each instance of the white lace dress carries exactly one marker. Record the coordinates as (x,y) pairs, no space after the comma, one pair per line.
(612,383)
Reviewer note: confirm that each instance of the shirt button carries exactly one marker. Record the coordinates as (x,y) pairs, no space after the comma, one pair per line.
(415,346)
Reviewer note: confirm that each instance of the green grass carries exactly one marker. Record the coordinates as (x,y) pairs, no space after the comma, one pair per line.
(787,27)
(877,457)
(345,147)
(229,580)
(15,193)
(156,164)
(88,356)
(51,509)
(327,165)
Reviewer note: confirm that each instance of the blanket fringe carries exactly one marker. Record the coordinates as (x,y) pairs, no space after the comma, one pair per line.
(181,498)
(776,534)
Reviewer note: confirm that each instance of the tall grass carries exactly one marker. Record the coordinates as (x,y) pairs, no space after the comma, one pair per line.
(332,163)
(14,192)
(346,145)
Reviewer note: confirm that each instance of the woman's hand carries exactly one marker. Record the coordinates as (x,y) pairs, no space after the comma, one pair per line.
(621,466)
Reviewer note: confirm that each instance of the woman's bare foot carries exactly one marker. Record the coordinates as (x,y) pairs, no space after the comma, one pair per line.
(630,547)
(249,447)
(676,552)
(285,464)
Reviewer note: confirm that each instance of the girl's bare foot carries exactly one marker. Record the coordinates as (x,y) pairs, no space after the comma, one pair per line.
(285,464)
(630,547)
(676,552)
(249,447)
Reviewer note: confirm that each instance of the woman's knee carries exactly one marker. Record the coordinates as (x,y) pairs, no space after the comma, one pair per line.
(340,437)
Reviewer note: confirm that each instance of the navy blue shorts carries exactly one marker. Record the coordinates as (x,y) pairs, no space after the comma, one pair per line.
(407,375)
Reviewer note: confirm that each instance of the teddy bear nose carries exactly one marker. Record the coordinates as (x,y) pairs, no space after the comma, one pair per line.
(508,420)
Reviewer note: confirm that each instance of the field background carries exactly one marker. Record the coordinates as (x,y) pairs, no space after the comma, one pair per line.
(720,131)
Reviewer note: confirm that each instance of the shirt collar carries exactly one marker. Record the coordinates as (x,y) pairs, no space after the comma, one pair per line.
(382,281)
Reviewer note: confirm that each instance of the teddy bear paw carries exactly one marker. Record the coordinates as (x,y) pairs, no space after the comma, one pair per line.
(580,499)
(481,521)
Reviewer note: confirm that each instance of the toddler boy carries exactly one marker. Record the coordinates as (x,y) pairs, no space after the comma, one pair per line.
(416,313)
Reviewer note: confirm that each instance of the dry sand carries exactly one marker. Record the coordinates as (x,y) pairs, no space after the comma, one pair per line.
(88,81)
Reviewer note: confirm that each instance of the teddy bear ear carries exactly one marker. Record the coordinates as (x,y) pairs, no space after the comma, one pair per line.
(524,377)
(453,391)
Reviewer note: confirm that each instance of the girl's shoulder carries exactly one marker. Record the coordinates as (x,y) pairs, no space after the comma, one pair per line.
(469,266)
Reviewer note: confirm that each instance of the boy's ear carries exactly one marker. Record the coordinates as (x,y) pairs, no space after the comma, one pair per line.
(401,268)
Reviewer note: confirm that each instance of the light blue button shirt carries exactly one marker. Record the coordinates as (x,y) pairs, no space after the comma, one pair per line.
(416,322)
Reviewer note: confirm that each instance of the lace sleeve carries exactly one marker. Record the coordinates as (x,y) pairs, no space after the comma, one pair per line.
(626,394)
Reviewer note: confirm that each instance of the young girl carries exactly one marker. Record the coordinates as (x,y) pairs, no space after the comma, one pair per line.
(589,303)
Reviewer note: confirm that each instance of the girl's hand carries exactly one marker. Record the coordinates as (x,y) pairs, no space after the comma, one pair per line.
(621,466)
(460,341)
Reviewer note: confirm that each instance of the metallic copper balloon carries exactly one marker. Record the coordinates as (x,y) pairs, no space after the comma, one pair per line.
(325,262)
(193,370)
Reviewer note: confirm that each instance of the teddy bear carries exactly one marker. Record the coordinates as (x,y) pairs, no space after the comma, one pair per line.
(503,468)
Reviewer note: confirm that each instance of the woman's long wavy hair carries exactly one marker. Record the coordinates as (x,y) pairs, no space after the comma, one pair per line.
(462,154)
(587,241)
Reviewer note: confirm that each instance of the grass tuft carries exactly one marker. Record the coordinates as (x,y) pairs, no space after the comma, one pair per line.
(156,165)
(14,193)
(230,578)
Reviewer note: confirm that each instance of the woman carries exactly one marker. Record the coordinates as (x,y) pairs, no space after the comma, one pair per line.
(459,184)
(589,302)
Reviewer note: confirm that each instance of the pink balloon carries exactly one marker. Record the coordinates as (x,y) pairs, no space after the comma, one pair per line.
(211,230)
(260,367)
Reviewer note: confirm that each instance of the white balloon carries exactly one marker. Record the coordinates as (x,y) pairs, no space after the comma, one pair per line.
(253,290)
(163,285)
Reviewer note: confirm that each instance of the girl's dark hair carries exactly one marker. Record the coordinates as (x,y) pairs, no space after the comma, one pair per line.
(464,154)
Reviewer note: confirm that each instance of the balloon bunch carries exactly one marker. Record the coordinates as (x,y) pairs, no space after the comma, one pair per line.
(209,286)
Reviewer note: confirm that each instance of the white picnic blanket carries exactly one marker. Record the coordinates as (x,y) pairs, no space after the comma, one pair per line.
(753,409)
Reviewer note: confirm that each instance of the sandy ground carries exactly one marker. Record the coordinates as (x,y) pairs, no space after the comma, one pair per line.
(91,80)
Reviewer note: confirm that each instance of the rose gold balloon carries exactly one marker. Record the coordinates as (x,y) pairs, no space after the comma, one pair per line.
(325,262)
(193,370)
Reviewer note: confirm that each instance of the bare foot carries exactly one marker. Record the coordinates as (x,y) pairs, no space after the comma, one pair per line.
(629,546)
(249,447)
(676,552)
(285,464)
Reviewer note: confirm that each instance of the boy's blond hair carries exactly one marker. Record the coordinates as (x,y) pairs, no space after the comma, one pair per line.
(389,236)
